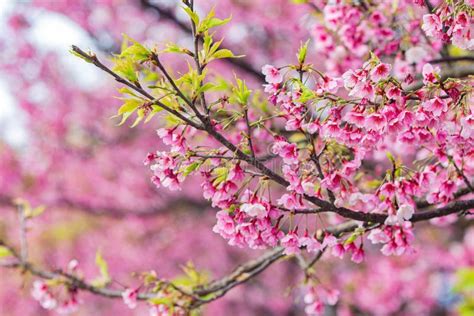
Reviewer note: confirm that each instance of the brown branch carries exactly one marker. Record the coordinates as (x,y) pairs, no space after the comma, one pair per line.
(249,132)
(240,275)
(155,59)
(209,128)
(461,174)
(262,159)
(451,208)
(452,59)
(452,72)
(118,212)
(460,193)
(216,288)
(220,287)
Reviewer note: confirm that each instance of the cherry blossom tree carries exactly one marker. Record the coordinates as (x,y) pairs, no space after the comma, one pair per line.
(335,134)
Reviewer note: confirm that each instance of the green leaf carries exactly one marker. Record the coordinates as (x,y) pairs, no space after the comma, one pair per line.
(102,264)
(192,78)
(194,276)
(215,22)
(128,108)
(221,175)
(225,53)
(174,48)
(456,51)
(306,94)
(391,157)
(210,21)
(464,286)
(466,308)
(152,114)
(5,252)
(206,87)
(126,68)
(126,90)
(297,137)
(374,60)
(240,92)
(464,280)
(192,167)
(373,184)
(33,212)
(104,277)
(222,85)
(136,52)
(130,105)
(125,117)
(211,50)
(302,52)
(398,172)
(140,117)
(192,15)
(352,238)
(160,301)
(150,76)
(28,210)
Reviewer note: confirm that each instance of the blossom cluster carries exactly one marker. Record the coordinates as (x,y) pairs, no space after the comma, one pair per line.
(346,32)
(452,23)
(317,297)
(367,115)
(376,136)
(380,114)
(42,293)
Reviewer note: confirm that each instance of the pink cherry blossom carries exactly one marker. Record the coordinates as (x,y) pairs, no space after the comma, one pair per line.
(291,243)
(358,255)
(435,106)
(272,74)
(254,209)
(430,73)
(467,127)
(432,25)
(380,72)
(338,251)
(288,151)
(129,297)
(405,212)
(42,294)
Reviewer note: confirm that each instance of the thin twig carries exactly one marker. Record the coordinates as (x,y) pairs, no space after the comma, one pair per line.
(462,175)
(452,59)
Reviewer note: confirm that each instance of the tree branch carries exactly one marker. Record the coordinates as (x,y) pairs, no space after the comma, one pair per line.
(216,288)
(452,59)
(209,128)
(452,72)
(181,202)
(451,208)
(220,287)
